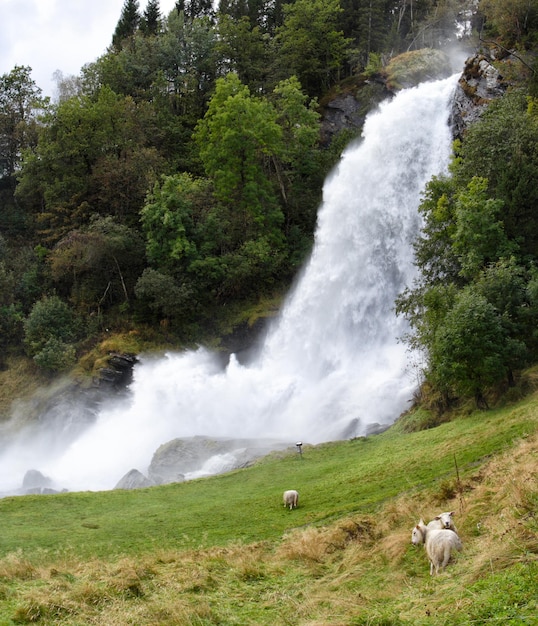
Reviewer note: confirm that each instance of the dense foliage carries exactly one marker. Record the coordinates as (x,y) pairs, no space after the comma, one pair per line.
(474,310)
(180,173)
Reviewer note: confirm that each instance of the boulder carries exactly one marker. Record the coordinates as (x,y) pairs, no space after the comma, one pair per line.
(35,480)
(134,480)
(175,460)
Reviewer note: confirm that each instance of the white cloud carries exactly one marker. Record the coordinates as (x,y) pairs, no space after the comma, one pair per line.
(50,35)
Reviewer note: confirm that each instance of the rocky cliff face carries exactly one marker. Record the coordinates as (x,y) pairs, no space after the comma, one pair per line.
(348,109)
(480,83)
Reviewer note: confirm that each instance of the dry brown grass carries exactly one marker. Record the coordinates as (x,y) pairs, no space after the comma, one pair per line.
(17,566)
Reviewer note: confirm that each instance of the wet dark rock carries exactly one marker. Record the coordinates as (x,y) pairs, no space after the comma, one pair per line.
(119,373)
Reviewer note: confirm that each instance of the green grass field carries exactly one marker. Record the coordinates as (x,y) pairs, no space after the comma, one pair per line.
(224,550)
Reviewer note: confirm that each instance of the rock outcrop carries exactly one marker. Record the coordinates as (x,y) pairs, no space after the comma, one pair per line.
(119,371)
(346,111)
(480,83)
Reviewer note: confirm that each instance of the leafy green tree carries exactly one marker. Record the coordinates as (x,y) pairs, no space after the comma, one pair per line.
(459,254)
(469,350)
(94,156)
(310,45)
(503,148)
(254,267)
(97,266)
(478,238)
(21,105)
(433,249)
(56,356)
(504,285)
(298,166)
(127,24)
(238,138)
(166,298)
(425,307)
(49,332)
(131,70)
(169,220)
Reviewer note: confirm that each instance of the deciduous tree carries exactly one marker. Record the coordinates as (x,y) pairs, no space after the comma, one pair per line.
(238,138)
(469,350)
(49,332)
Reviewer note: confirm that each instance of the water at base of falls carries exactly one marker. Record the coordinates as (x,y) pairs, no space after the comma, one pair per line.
(331,365)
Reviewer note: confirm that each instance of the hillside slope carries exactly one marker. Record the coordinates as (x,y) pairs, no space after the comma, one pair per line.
(223,550)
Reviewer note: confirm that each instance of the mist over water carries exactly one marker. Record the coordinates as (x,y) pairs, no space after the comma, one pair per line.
(331,364)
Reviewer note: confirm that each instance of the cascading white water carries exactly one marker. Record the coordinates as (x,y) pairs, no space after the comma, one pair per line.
(332,363)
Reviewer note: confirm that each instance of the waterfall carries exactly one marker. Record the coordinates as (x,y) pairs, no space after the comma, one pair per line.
(332,363)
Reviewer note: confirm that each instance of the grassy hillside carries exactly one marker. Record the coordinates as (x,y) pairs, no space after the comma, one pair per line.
(223,550)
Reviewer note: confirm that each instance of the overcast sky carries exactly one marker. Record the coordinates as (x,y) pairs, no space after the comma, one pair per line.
(50,35)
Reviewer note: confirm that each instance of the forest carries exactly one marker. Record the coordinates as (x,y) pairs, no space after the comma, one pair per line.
(175,181)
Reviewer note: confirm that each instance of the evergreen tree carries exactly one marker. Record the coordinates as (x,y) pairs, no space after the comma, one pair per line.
(245,49)
(151,20)
(267,14)
(193,9)
(127,24)
(180,6)
(310,45)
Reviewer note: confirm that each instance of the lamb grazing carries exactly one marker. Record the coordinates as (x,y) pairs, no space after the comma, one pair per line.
(291,498)
(439,544)
(443,520)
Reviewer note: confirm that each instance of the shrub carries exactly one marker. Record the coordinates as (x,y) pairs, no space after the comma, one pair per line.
(49,330)
(56,356)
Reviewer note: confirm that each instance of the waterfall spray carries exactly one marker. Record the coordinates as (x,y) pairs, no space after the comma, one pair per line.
(332,364)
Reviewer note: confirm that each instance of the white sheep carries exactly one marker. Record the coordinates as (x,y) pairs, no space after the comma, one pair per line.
(439,544)
(443,520)
(291,498)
